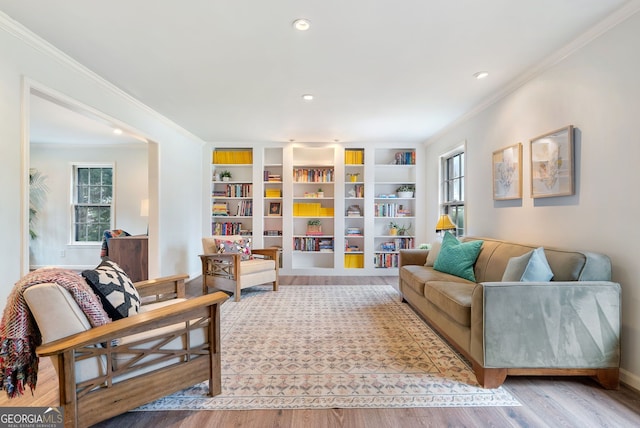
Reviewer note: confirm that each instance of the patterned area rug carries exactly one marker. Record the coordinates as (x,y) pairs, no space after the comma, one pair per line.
(307,347)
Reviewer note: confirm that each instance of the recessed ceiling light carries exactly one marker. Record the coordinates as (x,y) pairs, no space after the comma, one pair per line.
(481,74)
(301,24)
(117,131)
(307,97)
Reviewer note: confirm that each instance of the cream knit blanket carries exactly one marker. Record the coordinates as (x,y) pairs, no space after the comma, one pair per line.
(19,334)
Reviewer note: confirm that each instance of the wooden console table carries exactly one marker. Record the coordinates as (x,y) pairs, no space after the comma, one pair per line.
(131,254)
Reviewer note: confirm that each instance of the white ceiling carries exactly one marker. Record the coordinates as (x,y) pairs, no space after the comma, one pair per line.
(380,70)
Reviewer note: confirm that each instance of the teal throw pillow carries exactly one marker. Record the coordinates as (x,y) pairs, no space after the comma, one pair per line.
(537,269)
(515,267)
(457,258)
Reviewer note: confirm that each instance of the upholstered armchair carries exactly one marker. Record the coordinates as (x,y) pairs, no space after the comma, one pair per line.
(229,264)
(170,344)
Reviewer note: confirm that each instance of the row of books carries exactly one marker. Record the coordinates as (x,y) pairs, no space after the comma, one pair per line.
(391,210)
(235,191)
(353,157)
(304,209)
(405,158)
(313,175)
(313,244)
(228,228)
(386,260)
(397,244)
(233,156)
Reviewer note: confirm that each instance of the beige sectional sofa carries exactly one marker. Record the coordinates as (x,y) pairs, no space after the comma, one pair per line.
(567,326)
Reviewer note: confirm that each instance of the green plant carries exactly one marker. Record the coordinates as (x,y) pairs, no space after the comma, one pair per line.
(319,189)
(314,222)
(393,225)
(406,188)
(403,229)
(225,173)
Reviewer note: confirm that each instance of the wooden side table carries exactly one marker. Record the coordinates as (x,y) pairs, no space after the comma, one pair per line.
(131,254)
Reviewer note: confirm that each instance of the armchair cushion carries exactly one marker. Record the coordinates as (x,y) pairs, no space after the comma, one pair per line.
(115,289)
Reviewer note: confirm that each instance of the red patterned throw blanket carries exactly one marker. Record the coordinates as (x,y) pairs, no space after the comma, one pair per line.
(19,334)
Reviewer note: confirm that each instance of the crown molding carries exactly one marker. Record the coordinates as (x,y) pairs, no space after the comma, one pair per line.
(25,35)
(611,21)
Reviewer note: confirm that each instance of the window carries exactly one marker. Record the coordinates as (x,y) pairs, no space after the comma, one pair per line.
(452,192)
(92,202)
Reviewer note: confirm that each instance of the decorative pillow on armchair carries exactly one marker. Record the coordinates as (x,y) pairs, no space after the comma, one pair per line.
(119,297)
(240,246)
(457,258)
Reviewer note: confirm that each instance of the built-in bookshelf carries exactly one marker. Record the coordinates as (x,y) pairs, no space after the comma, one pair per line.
(328,208)
(393,205)
(313,178)
(272,216)
(232,192)
(354,202)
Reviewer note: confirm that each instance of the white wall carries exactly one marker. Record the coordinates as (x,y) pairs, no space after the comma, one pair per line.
(52,246)
(175,170)
(595,89)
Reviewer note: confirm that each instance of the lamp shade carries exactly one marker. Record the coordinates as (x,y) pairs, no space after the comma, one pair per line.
(444,223)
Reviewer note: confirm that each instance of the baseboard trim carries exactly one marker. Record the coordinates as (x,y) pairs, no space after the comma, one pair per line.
(629,379)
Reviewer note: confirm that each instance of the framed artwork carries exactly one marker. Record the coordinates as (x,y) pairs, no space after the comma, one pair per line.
(275,209)
(507,173)
(552,161)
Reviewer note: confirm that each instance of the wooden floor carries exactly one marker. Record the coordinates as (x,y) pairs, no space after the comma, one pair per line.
(546,401)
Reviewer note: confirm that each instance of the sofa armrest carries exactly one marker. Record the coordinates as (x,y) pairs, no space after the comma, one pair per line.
(413,257)
(572,324)
(181,311)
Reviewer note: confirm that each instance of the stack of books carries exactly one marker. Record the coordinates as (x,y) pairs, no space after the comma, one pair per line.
(272,177)
(353,231)
(325,245)
(220,209)
(354,211)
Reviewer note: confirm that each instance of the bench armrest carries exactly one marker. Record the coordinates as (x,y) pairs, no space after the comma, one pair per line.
(162,288)
(182,311)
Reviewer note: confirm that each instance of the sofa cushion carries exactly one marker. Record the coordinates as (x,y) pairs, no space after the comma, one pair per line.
(538,268)
(452,298)
(415,276)
(515,267)
(119,297)
(434,249)
(457,258)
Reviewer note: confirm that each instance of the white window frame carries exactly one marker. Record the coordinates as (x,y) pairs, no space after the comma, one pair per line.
(74,200)
(445,206)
